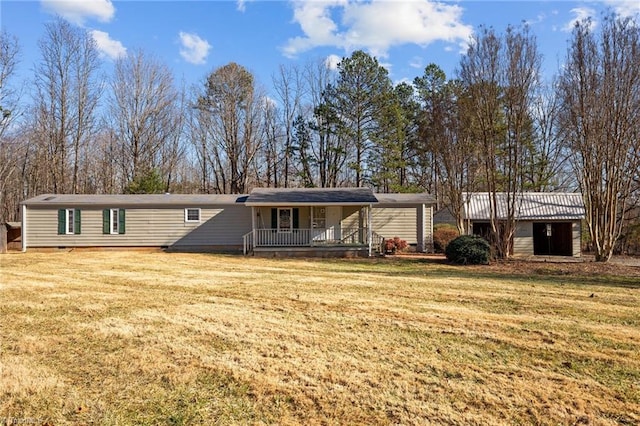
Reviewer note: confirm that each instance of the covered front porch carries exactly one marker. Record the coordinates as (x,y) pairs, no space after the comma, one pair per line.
(312,221)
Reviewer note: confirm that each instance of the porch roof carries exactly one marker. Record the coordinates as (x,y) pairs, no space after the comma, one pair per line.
(311,196)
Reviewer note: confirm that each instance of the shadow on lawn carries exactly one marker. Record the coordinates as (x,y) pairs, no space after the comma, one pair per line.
(526,272)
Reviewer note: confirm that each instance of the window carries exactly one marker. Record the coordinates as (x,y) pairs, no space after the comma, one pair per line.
(192,215)
(113,226)
(284,220)
(68,221)
(113,221)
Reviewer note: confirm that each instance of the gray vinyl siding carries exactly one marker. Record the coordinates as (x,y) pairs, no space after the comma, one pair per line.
(523,239)
(577,240)
(148,227)
(391,222)
(428,227)
(350,216)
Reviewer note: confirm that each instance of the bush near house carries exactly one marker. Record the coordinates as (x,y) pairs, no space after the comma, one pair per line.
(442,235)
(394,245)
(468,250)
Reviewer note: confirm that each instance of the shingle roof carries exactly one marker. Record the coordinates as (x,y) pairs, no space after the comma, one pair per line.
(148,200)
(309,196)
(258,197)
(421,198)
(529,206)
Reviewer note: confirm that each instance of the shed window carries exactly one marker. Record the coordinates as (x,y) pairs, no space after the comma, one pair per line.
(192,215)
(69,221)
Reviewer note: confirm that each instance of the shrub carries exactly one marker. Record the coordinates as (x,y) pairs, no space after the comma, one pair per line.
(468,250)
(442,236)
(394,245)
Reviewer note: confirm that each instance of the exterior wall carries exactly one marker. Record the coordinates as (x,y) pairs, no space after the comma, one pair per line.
(149,227)
(393,222)
(523,239)
(263,217)
(576,231)
(396,222)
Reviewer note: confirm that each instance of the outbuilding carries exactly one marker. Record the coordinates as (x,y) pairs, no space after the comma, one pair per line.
(547,223)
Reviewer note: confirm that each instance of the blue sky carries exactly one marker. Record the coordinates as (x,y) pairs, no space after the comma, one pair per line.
(195,37)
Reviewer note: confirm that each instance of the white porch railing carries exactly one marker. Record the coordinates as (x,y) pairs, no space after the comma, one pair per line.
(305,237)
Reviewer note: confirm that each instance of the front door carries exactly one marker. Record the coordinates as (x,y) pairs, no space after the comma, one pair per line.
(334,218)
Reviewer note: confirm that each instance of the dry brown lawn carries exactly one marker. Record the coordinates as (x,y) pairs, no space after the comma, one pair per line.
(156,338)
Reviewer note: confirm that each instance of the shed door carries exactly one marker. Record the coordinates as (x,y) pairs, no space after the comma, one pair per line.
(552,239)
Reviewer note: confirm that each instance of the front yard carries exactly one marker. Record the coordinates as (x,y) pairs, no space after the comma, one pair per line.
(155,338)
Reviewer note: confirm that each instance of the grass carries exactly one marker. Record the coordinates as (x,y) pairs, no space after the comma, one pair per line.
(180,339)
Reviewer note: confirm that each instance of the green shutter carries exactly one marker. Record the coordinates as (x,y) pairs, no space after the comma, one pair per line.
(121,221)
(76,221)
(296,218)
(105,221)
(62,216)
(274,218)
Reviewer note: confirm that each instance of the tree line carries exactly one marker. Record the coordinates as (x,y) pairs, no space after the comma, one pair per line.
(495,126)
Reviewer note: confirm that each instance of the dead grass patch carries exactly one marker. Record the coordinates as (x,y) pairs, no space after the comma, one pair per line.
(156,338)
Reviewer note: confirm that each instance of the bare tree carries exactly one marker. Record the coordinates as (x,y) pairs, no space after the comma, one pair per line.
(9,58)
(546,167)
(320,144)
(600,92)
(289,88)
(67,94)
(500,74)
(231,109)
(9,147)
(146,115)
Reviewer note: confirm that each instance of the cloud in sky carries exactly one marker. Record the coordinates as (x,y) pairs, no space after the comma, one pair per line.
(625,7)
(332,62)
(376,25)
(580,13)
(107,46)
(194,49)
(78,11)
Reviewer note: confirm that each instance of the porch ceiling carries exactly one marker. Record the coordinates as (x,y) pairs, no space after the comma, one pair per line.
(311,196)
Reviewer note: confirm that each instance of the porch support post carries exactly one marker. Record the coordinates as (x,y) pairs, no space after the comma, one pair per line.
(253,219)
(311,236)
(254,237)
(369,230)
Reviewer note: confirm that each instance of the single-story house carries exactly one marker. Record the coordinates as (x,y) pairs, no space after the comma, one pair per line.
(312,221)
(548,224)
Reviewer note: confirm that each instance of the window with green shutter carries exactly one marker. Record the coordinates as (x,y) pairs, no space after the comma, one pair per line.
(113,221)
(69,221)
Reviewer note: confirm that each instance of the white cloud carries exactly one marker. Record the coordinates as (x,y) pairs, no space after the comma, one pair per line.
(625,7)
(107,46)
(375,25)
(241,5)
(194,49)
(78,11)
(580,13)
(332,62)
